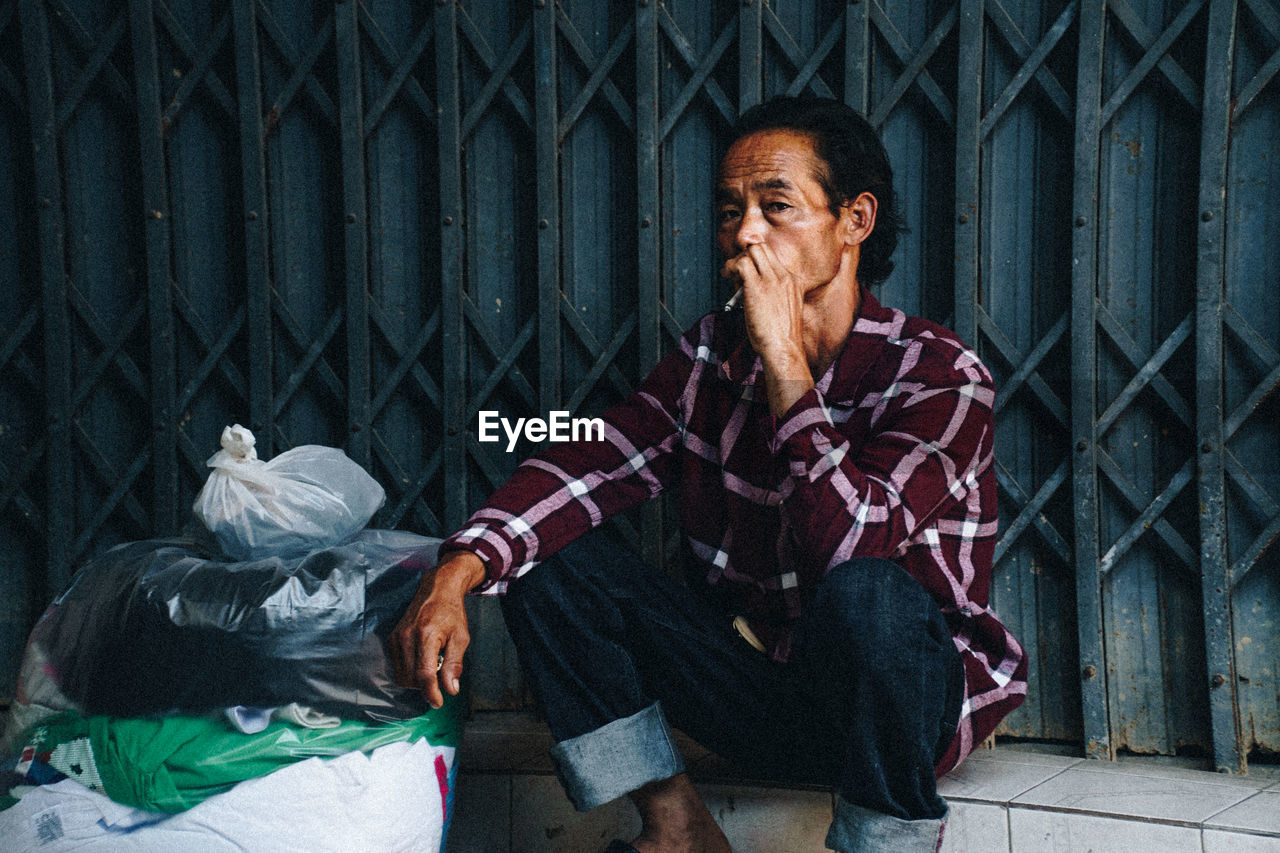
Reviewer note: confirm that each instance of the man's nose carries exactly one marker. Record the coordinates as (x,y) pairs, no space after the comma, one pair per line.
(750,230)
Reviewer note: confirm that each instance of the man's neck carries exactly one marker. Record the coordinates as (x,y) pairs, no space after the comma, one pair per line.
(829,317)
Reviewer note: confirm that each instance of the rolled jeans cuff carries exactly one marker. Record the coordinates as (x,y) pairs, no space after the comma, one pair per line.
(860,830)
(617,758)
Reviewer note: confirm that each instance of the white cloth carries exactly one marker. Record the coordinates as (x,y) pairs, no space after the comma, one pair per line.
(390,800)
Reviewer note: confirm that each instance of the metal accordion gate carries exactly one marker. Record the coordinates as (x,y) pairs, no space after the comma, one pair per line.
(362,222)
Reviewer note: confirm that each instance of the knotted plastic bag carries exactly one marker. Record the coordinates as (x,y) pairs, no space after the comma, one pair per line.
(306,498)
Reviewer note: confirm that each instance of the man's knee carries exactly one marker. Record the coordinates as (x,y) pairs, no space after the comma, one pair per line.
(568,578)
(541,585)
(869,605)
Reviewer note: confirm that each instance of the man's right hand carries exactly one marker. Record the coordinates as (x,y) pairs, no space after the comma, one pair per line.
(435,624)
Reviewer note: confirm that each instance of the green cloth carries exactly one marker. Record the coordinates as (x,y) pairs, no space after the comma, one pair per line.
(175,762)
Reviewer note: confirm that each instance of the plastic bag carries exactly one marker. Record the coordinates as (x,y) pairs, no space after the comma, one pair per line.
(305,498)
(172,763)
(165,625)
(394,798)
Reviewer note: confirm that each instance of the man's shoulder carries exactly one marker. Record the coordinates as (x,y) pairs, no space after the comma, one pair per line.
(921,347)
(936,341)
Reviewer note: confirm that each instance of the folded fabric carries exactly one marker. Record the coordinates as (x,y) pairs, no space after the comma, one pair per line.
(253,720)
(393,799)
(173,763)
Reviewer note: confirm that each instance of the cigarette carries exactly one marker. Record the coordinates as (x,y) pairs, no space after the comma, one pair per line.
(733,300)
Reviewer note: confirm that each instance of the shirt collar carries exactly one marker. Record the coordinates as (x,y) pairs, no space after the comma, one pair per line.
(867,336)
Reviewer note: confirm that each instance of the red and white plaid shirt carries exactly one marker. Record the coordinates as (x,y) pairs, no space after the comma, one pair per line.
(890,455)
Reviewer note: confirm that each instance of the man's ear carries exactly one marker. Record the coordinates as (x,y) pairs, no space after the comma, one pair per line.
(858,218)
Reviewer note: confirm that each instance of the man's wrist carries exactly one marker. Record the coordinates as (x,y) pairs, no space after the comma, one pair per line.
(785,360)
(787,378)
(462,568)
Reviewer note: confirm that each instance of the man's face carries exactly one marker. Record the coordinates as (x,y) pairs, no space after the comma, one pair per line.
(768,192)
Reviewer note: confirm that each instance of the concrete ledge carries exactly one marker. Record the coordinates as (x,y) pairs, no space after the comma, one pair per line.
(1007,800)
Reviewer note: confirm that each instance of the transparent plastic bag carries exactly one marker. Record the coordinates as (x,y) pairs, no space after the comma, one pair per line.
(306,498)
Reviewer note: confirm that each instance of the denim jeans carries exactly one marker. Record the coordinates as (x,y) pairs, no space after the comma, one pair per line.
(617,652)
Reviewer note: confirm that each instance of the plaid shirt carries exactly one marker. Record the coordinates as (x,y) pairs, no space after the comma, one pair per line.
(890,455)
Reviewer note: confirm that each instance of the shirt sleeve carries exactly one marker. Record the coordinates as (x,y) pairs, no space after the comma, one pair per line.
(572,488)
(931,438)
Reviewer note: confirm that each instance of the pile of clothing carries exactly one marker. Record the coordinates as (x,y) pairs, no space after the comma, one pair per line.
(229,689)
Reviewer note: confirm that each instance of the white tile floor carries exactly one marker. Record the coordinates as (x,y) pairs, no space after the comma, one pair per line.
(1003,801)
(1260,813)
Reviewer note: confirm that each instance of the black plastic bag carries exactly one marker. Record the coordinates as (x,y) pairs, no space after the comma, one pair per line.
(168,624)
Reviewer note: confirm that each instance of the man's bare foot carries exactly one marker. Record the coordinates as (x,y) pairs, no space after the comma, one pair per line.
(675,819)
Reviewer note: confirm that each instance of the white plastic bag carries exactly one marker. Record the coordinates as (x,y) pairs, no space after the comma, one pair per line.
(391,799)
(306,498)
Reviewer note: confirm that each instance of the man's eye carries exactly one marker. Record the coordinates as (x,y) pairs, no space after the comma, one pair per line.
(727,214)
(777,206)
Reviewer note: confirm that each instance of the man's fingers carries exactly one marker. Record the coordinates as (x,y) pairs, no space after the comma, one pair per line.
(730,267)
(451,668)
(743,265)
(766,260)
(426,670)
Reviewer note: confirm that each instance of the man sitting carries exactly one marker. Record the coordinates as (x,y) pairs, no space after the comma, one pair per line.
(833,460)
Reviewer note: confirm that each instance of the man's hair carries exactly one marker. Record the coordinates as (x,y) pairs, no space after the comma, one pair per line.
(855,162)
